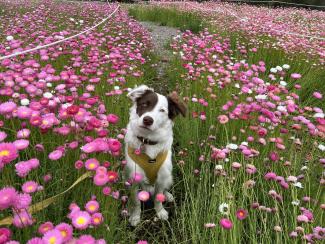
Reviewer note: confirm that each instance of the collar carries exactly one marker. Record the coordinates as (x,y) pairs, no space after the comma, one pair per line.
(146,141)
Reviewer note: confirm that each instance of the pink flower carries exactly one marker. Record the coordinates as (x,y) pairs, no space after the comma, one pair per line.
(97,219)
(66,231)
(92,206)
(8,196)
(52,237)
(302,218)
(29,187)
(137,177)
(160,197)
(226,223)
(112,176)
(274,156)
(91,164)
(5,235)
(86,239)
(295,76)
(270,176)
(241,214)
(22,219)
(81,220)
(318,95)
(114,145)
(23,201)
(78,164)
(100,179)
(7,107)
(112,118)
(45,227)
(8,152)
(3,135)
(250,169)
(142,242)
(223,119)
(55,155)
(143,196)
(35,240)
(107,190)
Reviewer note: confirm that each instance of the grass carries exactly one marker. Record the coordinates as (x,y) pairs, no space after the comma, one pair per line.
(198,200)
(168,17)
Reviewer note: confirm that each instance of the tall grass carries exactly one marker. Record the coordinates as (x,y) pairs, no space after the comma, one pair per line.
(198,196)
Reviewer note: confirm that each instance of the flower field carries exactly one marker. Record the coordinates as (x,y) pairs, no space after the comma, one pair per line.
(248,158)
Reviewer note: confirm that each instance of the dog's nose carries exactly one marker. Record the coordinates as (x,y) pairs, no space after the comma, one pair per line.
(147,121)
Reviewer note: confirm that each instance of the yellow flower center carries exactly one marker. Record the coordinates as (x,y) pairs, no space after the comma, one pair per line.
(92,207)
(30,188)
(52,240)
(4,153)
(81,220)
(64,233)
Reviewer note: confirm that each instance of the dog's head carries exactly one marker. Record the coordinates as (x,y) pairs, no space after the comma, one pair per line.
(152,110)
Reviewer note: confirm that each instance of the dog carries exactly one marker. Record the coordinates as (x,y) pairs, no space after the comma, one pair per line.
(148,143)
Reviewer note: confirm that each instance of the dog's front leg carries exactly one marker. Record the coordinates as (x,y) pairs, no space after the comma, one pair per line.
(135,207)
(160,210)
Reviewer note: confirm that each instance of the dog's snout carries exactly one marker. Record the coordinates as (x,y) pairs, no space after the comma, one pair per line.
(147,121)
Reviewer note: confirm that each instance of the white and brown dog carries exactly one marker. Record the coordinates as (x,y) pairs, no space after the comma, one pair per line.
(148,143)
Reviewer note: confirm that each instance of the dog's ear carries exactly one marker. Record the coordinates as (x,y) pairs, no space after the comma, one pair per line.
(175,105)
(138,92)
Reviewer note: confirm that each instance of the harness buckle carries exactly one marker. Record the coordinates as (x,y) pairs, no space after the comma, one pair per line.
(152,161)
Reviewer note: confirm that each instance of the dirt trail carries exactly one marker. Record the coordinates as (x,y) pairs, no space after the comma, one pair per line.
(161,35)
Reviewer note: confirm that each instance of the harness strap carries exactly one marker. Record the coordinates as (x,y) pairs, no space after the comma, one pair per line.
(149,166)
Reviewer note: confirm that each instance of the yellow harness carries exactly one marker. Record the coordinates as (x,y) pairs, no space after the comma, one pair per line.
(149,166)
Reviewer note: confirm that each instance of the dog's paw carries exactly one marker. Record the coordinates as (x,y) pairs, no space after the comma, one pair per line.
(169,197)
(162,214)
(134,219)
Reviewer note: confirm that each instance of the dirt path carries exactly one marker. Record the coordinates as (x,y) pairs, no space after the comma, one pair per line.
(161,35)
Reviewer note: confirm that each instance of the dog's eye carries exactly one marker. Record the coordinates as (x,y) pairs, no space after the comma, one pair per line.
(162,110)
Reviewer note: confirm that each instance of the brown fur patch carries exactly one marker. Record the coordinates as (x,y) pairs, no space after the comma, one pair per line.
(146,102)
(175,105)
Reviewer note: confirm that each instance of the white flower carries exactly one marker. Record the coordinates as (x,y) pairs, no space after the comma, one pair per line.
(273,70)
(319,115)
(286,66)
(321,147)
(47,95)
(214,56)
(232,146)
(282,108)
(9,38)
(224,208)
(295,203)
(71,19)
(24,102)
(15,95)
(49,84)
(219,167)
(261,97)
(237,85)
(298,184)
(303,168)
(279,68)
(244,143)
(283,83)
(116,88)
